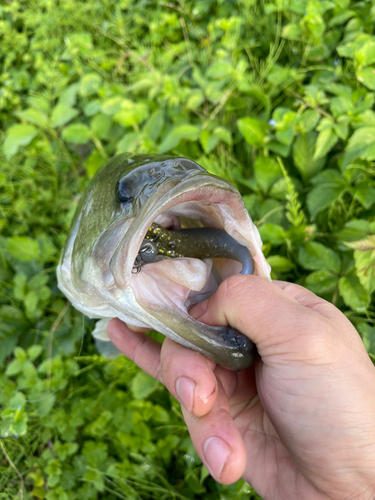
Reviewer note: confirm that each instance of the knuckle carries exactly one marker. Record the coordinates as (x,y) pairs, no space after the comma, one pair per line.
(238,285)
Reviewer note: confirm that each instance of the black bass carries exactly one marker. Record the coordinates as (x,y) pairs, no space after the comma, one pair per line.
(152,236)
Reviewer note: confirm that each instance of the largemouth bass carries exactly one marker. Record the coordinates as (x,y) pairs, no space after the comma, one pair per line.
(152,236)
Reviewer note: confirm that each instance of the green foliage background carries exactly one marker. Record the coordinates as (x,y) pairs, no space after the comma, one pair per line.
(277,96)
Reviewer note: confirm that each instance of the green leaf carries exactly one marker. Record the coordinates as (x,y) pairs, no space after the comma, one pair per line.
(15,367)
(64,450)
(341,18)
(324,143)
(341,105)
(77,133)
(364,193)
(101,125)
(272,233)
(354,230)
(187,132)
(23,248)
(68,97)
(330,186)
(31,302)
(35,116)
(360,145)
(90,84)
(365,265)
(39,102)
(253,130)
(208,140)
(321,282)
(315,256)
(219,69)
(128,143)
(368,336)
(303,152)
(195,99)
(17,136)
(34,351)
(308,120)
(291,31)
(154,125)
(353,293)
(62,114)
(92,107)
(279,149)
(279,263)
(223,134)
(367,77)
(143,385)
(266,171)
(112,105)
(93,162)
(322,197)
(366,54)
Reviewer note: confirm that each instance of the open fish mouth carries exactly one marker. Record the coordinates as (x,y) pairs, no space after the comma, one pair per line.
(167,287)
(199,202)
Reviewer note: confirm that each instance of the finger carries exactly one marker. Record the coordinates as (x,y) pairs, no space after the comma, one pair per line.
(257,308)
(308,299)
(137,346)
(340,322)
(218,441)
(189,377)
(186,374)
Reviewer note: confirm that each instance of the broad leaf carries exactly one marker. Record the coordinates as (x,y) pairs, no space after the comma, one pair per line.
(266,171)
(321,282)
(23,248)
(17,136)
(187,132)
(253,130)
(272,233)
(101,125)
(35,116)
(360,145)
(77,133)
(143,385)
(316,256)
(303,152)
(280,264)
(365,265)
(353,293)
(324,143)
(367,77)
(62,114)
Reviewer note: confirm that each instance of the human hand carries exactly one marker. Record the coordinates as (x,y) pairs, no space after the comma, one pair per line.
(300,423)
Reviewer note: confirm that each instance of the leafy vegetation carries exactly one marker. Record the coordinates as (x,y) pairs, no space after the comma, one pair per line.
(277,96)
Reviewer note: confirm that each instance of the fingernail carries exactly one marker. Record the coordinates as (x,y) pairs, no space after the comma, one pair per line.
(198,310)
(185,392)
(216,452)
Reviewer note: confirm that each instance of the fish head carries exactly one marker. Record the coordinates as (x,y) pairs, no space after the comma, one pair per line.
(126,196)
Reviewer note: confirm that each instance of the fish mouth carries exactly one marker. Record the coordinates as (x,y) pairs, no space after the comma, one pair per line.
(196,201)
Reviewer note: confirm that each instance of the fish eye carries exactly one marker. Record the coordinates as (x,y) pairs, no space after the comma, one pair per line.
(124,196)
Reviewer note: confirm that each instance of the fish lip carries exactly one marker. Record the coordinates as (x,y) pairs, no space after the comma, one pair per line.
(197,187)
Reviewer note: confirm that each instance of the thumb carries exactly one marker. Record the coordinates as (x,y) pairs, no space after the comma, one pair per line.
(269,313)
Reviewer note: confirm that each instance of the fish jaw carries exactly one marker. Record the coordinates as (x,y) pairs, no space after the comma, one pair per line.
(106,286)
